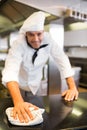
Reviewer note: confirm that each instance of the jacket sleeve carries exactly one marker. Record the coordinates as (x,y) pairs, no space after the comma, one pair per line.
(12,64)
(61,60)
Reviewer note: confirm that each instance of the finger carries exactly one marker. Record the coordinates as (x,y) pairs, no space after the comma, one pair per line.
(76,97)
(35,107)
(11,114)
(67,97)
(29,113)
(14,114)
(64,93)
(21,117)
(26,114)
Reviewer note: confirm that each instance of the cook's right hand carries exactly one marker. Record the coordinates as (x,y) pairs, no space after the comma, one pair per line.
(22,111)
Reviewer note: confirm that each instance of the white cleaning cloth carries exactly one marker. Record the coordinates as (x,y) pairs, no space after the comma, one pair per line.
(38,118)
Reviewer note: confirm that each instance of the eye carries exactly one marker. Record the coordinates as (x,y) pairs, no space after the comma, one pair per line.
(39,34)
(29,34)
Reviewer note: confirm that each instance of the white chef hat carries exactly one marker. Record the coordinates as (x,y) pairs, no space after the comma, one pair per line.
(35,22)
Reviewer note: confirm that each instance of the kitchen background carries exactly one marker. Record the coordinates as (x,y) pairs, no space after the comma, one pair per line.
(66,20)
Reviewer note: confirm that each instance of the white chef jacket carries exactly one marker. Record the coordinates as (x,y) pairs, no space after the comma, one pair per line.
(19,66)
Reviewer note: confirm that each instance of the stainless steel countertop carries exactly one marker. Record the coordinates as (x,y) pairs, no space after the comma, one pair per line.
(59,115)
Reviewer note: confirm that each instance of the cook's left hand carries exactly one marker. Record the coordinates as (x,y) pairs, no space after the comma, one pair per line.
(70,94)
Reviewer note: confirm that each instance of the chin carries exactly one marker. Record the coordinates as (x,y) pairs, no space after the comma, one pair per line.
(37,46)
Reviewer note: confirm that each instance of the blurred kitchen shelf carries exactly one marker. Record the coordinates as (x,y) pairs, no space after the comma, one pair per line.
(75,46)
(81,89)
(84,85)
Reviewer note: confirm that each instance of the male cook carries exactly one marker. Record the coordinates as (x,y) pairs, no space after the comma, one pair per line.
(25,62)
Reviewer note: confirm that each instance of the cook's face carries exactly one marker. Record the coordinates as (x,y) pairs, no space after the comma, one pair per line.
(35,38)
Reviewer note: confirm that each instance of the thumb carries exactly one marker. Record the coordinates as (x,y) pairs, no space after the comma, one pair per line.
(63,93)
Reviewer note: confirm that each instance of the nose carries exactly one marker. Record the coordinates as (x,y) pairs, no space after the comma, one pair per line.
(35,38)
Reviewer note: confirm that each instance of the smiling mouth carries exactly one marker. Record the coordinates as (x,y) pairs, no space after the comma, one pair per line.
(36,42)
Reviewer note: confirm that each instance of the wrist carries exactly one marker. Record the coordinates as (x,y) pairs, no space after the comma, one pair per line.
(71,83)
(15,93)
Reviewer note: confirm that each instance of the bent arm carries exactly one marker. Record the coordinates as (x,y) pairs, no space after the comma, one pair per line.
(21,108)
(64,65)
